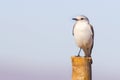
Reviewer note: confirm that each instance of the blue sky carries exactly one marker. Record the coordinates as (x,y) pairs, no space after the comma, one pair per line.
(36,41)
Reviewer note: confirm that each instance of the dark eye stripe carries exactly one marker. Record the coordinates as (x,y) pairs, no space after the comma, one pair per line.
(82,18)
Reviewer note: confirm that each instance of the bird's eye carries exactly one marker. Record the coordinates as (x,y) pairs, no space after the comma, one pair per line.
(82,18)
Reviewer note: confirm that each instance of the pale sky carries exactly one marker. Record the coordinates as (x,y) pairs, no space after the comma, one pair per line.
(36,41)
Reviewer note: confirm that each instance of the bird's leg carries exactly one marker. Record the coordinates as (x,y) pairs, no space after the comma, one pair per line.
(79,52)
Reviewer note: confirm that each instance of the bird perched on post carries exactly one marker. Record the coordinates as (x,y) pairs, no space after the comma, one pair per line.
(83,34)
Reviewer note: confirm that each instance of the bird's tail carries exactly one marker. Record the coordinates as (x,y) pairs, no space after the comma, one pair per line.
(87,52)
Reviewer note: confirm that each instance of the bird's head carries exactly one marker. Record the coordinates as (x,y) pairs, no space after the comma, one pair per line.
(81,18)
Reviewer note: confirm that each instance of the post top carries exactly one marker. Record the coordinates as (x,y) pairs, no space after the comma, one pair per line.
(81,58)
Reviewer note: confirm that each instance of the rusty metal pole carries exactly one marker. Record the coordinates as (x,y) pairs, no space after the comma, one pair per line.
(81,68)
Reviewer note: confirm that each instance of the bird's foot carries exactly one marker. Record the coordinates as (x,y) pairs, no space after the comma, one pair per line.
(78,56)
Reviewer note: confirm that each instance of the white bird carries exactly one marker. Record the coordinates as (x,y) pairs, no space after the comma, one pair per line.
(83,34)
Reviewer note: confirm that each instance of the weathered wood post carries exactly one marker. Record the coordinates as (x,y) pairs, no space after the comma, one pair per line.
(81,68)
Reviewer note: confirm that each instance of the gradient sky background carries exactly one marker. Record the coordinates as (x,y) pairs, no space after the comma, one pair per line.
(36,41)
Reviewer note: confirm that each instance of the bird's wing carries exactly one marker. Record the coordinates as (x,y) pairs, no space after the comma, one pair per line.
(73,30)
(91,27)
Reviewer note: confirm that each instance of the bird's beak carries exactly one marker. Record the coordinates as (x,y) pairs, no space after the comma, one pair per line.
(74,19)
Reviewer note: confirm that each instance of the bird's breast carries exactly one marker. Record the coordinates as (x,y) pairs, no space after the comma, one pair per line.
(82,34)
(82,30)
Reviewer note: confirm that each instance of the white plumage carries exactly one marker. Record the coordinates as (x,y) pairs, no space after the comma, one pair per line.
(83,35)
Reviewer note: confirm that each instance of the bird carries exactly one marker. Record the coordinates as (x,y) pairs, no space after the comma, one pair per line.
(83,33)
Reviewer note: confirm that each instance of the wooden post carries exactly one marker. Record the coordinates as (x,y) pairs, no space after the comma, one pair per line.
(81,68)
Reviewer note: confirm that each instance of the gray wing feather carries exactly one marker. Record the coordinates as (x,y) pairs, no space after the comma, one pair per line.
(92,37)
(73,30)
